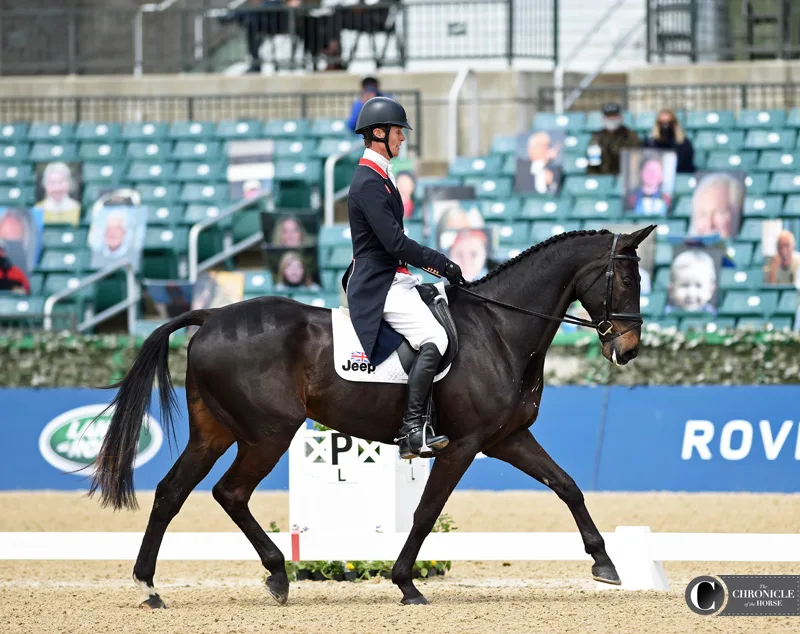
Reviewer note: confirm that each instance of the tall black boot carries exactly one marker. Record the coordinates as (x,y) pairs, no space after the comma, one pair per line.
(417,437)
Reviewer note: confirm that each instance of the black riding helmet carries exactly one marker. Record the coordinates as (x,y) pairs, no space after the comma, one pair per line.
(383,113)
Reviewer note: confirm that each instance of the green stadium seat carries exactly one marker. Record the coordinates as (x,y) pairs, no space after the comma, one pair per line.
(150,172)
(232,130)
(511,233)
(288,150)
(792,206)
(335,235)
(199,171)
(210,193)
(16,195)
(102,152)
(748,303)
(509,165)
(63,260)
(577,143)
(91,192)
(49,152)
(740,279)
(709,120)
(486,166)
(196,131)
(793,120)
(150,151)
(741,253)
(768,140)
(501,187)
(685,184)
(663,256)
(330,128)
(750,231)
(17,173)
(173,239)
(757,184)
(330,146)
(198,213)
(102,173)
(505,210)
(503,145)
(244,224)
(785,183)
(258,282)
(572,121)
(301,171)
(51,132)
(542,230)
(88,131)
(196,151)
(594,208)
(339,257)
(723,160)
(551,209)
(12,153)
(711,140)
(574,164)
(287,129)
(16,307)
(661,278)
(670,226)
(594,120)
(148,131)
(56,282)
(652,305)
(166,216)
(770,119)
(432,181)
(763,206)
(11,132)
(160,195)
(706,323)
(310,299)
(646,120)
(776,161)
(64,237)
(586,186)
(787,304)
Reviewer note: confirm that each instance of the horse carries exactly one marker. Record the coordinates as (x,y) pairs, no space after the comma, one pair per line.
(257,369)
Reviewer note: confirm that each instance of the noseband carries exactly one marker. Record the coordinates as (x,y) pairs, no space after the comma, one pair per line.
(604,327)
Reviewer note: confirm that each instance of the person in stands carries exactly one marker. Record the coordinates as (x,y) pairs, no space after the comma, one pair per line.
(12,278)
(606,145)
(667,134)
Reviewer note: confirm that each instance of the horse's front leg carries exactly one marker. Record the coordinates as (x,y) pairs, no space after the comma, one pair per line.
(448,467)
(521,450)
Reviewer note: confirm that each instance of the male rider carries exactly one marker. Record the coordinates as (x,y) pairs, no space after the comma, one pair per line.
(378,283)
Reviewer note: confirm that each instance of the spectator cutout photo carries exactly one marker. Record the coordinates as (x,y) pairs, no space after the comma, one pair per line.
(450,215)
(12,278)
(540,162)
(21,230)
(648,178)
(717,204)
(58,192)
(440,198)
(215,289)
(170,298)
(117,198)
(406,178)
(251,168)
(781,258)
(693,279)
(297,228)
(471,249)
(117,234)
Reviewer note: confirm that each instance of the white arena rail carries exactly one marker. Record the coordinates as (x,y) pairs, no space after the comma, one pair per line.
(636,552)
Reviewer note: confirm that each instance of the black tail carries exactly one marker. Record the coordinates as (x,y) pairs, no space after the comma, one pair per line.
(114,464)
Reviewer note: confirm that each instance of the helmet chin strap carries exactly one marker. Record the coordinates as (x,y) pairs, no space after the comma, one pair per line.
(385,140)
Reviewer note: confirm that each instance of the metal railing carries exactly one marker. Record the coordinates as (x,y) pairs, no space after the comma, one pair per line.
(129,303)
(722,30)
(452,115)
(331,195)
(166,38)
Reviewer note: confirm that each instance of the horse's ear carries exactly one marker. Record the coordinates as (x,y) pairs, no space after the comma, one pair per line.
(633,240)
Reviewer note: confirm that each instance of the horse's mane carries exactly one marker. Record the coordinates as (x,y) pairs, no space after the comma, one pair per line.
(556,239)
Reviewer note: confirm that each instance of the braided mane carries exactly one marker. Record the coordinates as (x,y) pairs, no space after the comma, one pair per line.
(556,239)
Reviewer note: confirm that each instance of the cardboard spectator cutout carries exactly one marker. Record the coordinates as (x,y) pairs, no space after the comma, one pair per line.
(58,192)
(717,204)
(116,235)
(540,162)
(251,169)
(21,230)
(781,257)
(694,279)
(648,180)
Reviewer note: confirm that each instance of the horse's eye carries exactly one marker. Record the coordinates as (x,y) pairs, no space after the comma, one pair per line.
(627,282)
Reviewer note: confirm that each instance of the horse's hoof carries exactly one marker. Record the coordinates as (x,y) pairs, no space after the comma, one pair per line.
(606,573)
(420,600)
(153,602)
(278,590)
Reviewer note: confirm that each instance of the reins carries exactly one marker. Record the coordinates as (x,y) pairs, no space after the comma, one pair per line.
(603,327)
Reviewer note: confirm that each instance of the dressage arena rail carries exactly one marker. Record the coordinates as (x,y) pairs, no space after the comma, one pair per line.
(635,550)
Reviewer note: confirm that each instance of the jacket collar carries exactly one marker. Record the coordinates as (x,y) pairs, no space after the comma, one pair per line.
(377,162)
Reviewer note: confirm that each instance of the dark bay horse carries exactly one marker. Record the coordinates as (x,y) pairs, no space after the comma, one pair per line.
(257,369)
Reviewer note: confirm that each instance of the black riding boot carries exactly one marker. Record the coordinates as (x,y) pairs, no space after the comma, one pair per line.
(416,434)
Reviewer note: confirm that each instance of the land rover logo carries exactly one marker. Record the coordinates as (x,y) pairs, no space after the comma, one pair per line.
(69,442)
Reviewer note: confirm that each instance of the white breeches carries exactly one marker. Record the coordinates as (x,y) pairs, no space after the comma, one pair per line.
(405,311)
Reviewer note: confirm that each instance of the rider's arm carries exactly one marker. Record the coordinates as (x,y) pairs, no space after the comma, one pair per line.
(375,202)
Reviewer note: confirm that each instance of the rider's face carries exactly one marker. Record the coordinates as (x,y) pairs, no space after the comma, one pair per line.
(396,138)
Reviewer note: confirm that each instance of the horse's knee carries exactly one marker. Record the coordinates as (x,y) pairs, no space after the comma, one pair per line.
(167,501)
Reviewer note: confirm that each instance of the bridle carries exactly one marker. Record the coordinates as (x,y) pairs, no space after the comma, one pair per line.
(604,327)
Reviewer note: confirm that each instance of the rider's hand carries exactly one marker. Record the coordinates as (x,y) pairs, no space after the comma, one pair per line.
(452,272)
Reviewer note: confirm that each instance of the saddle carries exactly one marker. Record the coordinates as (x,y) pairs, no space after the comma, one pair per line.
(351,363)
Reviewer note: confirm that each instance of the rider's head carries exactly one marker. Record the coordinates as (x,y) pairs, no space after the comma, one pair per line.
(382,121)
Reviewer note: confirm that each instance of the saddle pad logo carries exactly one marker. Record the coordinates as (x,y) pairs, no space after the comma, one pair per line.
(358,363)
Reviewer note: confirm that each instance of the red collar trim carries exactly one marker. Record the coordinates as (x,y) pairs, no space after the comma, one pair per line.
(374,166)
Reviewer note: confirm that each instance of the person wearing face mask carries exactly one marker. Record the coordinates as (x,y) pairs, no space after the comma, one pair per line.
(667,134)
(605,146)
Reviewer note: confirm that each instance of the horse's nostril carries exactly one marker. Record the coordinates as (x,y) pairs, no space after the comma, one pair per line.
(630,355)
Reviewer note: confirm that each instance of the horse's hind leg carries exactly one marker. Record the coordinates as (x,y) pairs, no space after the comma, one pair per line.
(522,451)
(208,440)
(252,464)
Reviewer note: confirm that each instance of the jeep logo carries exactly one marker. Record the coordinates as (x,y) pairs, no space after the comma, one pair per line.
(352,366)
(70,442)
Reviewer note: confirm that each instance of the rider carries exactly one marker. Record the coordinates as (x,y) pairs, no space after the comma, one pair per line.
(378,283)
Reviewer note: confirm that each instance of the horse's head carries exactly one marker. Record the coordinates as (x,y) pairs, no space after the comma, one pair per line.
(609,290)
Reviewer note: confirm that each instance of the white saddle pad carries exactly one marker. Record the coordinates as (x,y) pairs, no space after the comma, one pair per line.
(350,361)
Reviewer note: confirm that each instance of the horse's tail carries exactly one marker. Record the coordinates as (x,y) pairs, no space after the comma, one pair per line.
(113,473)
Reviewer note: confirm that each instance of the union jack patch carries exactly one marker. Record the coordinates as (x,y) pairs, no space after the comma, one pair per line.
(358,356)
